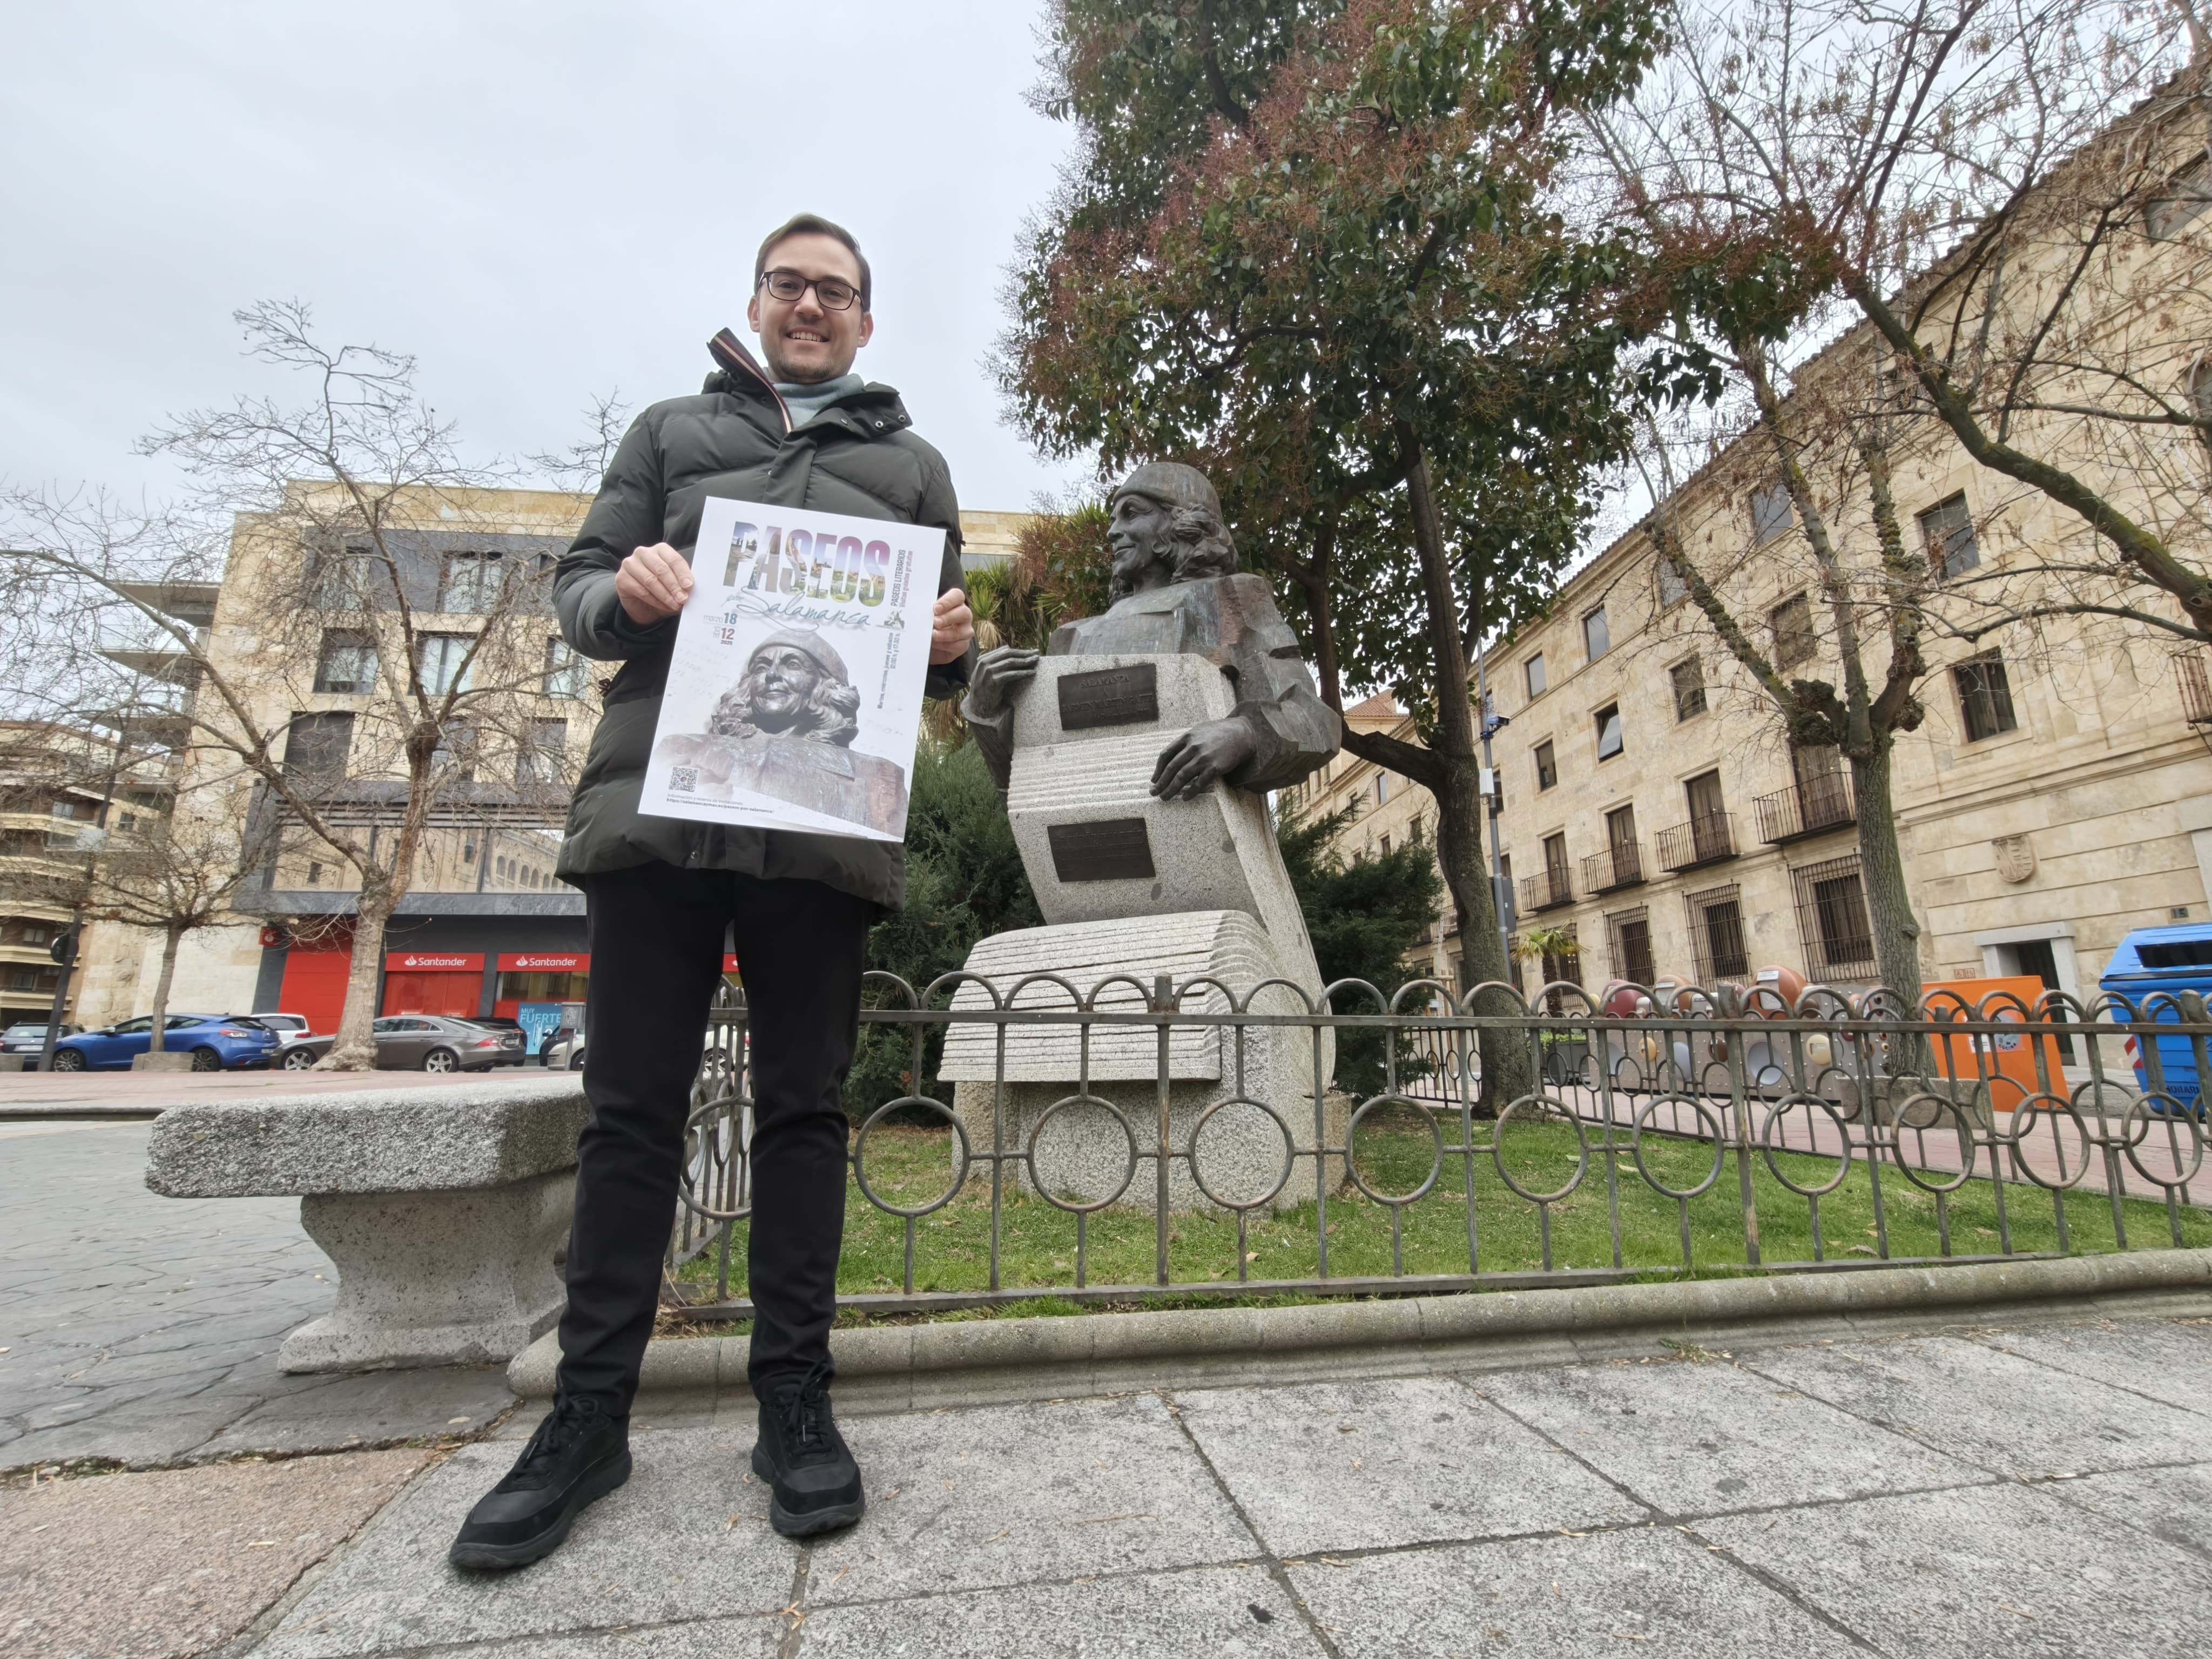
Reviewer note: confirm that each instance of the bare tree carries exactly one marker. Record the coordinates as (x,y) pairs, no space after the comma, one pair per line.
(388,662)
(2008,199)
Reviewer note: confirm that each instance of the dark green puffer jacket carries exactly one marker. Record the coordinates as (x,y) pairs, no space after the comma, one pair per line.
(858,457)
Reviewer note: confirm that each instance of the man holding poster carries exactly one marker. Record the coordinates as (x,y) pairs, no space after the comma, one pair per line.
(764,804)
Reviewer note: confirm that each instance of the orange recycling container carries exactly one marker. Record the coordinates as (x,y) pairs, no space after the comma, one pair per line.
(2010,1060)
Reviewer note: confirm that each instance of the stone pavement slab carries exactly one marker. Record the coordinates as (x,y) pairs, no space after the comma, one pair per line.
(2005,1569)
(1648,1591)
(1408,1461)
(145,1329)
(1235,1611)
(2169,1360)
(2175,1504)
(177,1561)
(687,1539)
(1692,1438)
(1999,1410)
(1012,1494)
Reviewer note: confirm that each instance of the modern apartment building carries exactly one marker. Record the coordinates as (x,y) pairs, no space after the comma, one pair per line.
(485,926)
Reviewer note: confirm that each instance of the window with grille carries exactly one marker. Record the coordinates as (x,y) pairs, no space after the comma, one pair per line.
(1832,918)
(566,673)
(1673,590)
(471,583)
(1533,671)
(1547,767)
(1947,531)
(1794,641)
(1716,922)
(1609,741)
(439,657)
(1597,636)
(2196,688)
(1771,513)
(1629,933)
(1689,682)
(347,663)
(1984,696)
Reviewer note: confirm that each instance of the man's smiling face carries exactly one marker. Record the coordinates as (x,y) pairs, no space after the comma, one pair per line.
(804,341)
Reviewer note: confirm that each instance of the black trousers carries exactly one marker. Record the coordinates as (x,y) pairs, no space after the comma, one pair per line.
(656,938)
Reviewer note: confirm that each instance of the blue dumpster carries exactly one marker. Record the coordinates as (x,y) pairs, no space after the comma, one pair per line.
(2169,960)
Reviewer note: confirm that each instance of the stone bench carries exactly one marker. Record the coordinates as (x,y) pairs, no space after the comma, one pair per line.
(442,1208)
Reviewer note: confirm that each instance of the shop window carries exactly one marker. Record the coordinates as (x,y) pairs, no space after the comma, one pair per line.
(1547,767)
(1984,696)
(346,666)
(1533,671)
(1947,531)
(1689,683)
(1609,741)
(1794,639)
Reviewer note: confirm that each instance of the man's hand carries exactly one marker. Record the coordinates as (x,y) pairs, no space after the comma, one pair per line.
(652,583)
(999,677)
(1189,765)
(951,628)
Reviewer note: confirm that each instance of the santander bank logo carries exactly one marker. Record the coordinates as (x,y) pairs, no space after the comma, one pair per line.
(418,961)
(523,964)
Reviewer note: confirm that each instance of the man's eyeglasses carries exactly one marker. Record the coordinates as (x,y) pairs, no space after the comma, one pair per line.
(788,285)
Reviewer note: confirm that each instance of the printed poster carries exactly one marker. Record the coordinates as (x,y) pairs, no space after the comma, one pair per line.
(795,697)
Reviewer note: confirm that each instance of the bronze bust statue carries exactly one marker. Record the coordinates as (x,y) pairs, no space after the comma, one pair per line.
(1175,588)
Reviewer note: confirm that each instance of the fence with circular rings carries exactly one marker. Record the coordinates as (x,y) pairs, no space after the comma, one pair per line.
(2024,1103)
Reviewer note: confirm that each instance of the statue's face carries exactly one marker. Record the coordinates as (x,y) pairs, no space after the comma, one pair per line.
(1137,528)
(784,678)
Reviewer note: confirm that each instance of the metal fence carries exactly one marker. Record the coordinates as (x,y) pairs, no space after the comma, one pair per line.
(2061,1125)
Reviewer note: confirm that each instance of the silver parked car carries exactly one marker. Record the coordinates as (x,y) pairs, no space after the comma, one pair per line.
(440,1043)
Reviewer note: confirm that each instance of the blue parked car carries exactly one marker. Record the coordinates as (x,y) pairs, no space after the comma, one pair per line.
(215,1042)
(2168,960)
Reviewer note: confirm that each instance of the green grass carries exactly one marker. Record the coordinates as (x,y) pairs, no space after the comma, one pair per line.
(952,1245)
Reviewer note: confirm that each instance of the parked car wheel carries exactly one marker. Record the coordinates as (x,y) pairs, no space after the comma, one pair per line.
(67,1060)
(300,1059)
(576,1060)
(441,1060)
(206,1060)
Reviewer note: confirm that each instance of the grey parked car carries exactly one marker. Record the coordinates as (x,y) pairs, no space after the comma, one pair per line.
(438,1042)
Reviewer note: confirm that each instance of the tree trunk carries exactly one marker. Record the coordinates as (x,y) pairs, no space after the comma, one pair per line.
(355,1048)
(1507,1072)
(171,937)
(1881,869)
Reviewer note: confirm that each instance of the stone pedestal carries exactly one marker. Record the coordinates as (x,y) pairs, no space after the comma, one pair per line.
(442,1209)
(1134,888)
(435,1279)
(166,1060)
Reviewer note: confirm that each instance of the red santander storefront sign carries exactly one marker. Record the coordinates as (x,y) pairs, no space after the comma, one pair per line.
(544,962)
(433,961)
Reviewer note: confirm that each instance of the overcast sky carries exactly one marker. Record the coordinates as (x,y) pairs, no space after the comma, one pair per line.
(540,201)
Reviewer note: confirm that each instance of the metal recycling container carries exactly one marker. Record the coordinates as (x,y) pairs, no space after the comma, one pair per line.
(2151,969)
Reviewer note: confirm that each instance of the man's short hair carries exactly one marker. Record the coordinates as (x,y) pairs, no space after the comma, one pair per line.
(813,224)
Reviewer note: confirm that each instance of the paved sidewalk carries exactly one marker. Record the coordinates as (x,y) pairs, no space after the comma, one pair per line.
(2037,1491)
(145,1329)
(39,1095)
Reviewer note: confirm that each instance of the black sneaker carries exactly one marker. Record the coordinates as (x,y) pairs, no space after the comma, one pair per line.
(814,1484)
(577,1454)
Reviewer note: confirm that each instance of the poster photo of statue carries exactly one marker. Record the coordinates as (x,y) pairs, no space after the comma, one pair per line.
(794,694)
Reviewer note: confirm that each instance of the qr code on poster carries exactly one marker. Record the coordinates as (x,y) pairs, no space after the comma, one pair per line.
(684,778)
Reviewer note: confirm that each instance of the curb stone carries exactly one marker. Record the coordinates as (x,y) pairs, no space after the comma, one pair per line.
(1201,1340)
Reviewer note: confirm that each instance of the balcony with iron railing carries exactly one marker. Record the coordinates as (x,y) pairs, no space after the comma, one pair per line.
(1702,840)
(1614,868)
(1812,807)
(1547,890)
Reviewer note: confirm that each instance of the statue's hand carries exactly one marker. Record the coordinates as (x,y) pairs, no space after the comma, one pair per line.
(1189,765)
(999,677)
